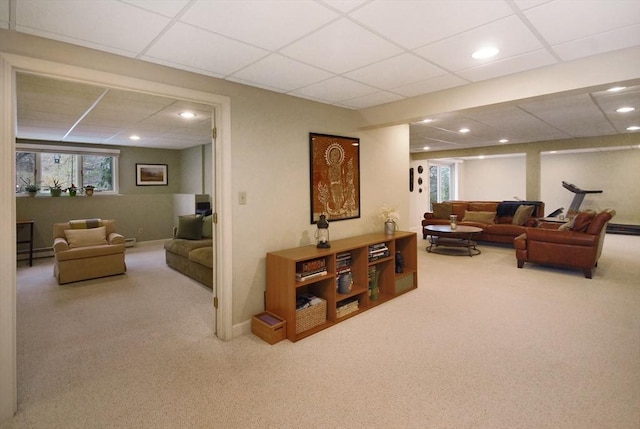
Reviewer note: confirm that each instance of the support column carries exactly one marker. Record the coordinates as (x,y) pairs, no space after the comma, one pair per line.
(533,175)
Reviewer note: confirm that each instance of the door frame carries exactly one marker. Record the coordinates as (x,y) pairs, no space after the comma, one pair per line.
(220,164)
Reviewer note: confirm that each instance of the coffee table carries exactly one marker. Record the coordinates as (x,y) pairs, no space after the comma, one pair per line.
(450,239)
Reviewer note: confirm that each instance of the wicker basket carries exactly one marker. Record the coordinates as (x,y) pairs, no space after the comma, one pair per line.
(310,317)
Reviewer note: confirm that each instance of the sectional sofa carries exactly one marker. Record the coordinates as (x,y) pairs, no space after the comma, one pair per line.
(501,221)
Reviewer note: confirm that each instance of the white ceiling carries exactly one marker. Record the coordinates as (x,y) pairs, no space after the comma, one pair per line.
(361,53)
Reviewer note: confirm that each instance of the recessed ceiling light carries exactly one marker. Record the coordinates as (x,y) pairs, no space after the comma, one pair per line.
(633,128)
(134,137)
(426,121)
(486,52)
(625,109)
(503,141)
(426,148)
(187,115)
(464,130)
(616,88)
(554,151)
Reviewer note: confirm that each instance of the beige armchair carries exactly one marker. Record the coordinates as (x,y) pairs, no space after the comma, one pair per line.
(87,249)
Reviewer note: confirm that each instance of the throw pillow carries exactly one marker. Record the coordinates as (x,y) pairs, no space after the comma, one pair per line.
(567,225)
(190,227)
(522,215)
(86,237)
(582,220)
(442,210)
(207,227)
(480,217)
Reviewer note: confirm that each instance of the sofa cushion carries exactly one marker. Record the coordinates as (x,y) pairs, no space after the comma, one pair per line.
(481,206)
(182,247)
(442,210)
(504,229)
(207,226)
(203,256)
(86,237)
(582,220)
(89,252)
(522,215)
(189,227)
(478,216)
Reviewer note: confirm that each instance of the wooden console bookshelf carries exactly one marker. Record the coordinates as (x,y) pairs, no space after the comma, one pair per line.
(283,288)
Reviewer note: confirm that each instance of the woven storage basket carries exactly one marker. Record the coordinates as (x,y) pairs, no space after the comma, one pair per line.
(310,317)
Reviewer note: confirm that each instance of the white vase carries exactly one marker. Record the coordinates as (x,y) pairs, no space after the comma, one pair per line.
(390,227)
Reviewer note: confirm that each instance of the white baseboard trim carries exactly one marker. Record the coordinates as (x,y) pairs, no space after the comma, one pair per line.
(242,328)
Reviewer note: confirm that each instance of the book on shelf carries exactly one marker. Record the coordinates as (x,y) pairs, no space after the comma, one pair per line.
(347,306)
(312,266)
(307,276)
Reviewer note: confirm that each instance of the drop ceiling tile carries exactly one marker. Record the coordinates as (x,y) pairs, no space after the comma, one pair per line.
(169,8)
(340,47)
(576,115)
(509,35)
(335,89)
(430,85)
(374,99)
(512,65)
(397,71)
(111,26)
(345,5)
(599,43)
(177,47)
(416,23)
(587,18)
(268,24)
(277,71)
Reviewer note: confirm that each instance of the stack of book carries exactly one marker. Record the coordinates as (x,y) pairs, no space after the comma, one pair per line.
(377,251)
(309,269)
(343,266)
(347,306)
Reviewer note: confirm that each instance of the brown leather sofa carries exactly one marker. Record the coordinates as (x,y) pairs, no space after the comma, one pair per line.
(576,244)
(497,228)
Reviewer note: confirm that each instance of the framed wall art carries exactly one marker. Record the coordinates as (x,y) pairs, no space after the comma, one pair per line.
(152,175)
(334,177)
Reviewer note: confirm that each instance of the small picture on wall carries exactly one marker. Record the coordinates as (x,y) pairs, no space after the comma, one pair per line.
(151,175)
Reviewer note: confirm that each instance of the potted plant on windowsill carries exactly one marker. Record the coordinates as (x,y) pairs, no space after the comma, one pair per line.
(31,188)
(88,190)
(55,188)
(73,190)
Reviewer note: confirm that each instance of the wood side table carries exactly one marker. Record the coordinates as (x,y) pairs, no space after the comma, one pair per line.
(21,224)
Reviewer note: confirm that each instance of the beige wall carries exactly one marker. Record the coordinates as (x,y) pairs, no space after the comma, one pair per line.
(270,160)
(616,173)
(493,179)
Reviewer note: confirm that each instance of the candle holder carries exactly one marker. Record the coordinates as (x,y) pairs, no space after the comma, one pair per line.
(453,219)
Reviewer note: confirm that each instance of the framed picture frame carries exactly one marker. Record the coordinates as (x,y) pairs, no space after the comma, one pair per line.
(152,175)
(334,177)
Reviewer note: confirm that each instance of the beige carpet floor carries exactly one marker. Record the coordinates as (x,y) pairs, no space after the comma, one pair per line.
(480,344)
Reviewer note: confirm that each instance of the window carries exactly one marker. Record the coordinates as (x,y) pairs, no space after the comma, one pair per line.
(43,165)
(441,182)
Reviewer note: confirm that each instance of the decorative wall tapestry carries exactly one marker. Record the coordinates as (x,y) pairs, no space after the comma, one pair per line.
(335,177)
